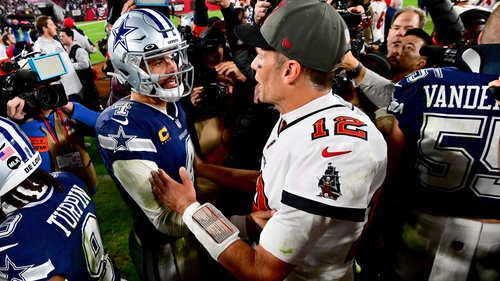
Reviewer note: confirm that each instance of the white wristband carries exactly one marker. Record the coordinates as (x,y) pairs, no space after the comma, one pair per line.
(214,231)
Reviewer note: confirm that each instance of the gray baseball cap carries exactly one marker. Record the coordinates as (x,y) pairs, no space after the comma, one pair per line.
(309,31)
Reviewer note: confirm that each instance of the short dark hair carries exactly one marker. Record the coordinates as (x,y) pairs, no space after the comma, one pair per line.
(420,33)
(5,38)
(41,22)
(68,32)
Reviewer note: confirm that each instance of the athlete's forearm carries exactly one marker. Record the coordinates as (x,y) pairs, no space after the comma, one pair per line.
(243,180)
(245,263)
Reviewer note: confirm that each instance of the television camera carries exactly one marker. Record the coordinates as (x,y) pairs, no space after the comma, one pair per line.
(356,23)
(484,58)
(37,85)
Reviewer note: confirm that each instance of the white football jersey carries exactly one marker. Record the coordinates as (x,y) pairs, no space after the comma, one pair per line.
(320,172)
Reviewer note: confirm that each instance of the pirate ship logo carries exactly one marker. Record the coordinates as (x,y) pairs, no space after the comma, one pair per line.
(329,184)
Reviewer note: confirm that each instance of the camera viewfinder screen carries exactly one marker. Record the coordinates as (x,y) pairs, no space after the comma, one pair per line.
(48,66)
(151,2)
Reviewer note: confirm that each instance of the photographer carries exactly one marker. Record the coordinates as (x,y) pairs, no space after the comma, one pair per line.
(219,99)
(404,59)
(57,135)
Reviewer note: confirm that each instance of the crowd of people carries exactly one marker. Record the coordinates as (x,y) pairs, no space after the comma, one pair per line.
(272,148)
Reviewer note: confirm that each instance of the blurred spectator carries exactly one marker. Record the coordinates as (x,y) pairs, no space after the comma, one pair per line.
(47,44)
(404,19)
(9,41)
(3,53)
(79,37)
(81,62)
(405,56)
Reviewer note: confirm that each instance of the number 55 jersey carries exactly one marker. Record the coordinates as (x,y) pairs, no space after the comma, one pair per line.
(452,126)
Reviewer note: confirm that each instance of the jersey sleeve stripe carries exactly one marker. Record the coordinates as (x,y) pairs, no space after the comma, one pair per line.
(136,144)
(317,208)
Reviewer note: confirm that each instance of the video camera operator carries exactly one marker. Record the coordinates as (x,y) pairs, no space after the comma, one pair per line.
(53,124)
(57,135)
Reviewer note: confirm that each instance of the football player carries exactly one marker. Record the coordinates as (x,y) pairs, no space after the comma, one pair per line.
(443,148)
(321,165)
(148,131)
(48,224)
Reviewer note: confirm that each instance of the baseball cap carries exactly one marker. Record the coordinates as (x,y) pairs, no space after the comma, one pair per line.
(68,22)
(309,31)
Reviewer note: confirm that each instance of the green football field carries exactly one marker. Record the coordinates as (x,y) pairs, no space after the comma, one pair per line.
(114,216)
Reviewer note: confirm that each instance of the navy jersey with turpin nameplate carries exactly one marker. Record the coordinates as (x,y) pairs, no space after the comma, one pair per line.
(452,125)
(56,235)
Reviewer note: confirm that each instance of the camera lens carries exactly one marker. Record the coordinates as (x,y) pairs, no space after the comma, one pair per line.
(48,98)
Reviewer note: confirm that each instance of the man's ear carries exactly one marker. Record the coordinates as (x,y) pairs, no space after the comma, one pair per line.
(291,70)
(480,38)
(420,64)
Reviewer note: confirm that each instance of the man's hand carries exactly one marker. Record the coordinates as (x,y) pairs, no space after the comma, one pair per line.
(229,69)
(68,108)
(494,89)
(349,62)
(196,95)
(128,6)
(177,196)
(256,221)
(15,108)
(259,12)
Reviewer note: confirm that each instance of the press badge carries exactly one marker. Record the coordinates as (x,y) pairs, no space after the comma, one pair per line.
(69,161)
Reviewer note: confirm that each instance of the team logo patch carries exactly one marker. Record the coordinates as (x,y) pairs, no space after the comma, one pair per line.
(121,140)
(121,33)
(329,184)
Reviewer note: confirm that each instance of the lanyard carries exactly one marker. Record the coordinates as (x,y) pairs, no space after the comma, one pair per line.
(49,127)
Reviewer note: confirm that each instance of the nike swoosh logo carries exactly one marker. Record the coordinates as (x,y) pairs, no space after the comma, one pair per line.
(8,247)
(121,122)
(325,153)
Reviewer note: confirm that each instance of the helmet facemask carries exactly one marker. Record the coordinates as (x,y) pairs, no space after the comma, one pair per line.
(156,85)
(137,39)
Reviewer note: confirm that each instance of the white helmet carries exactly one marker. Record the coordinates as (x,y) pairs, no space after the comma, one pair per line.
(187,20)
(145,34)
(18,158)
